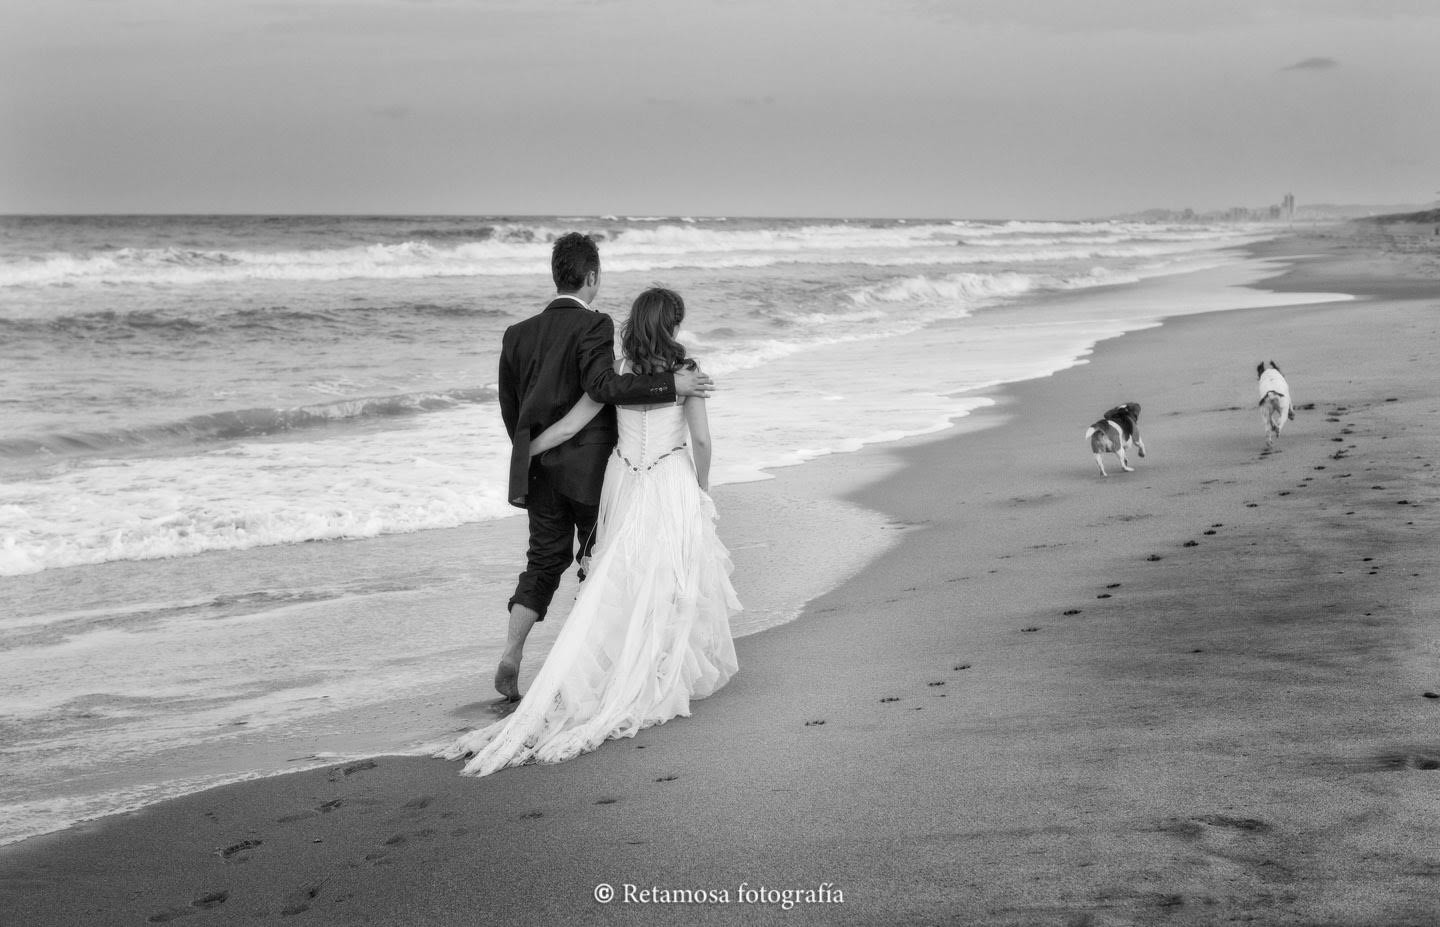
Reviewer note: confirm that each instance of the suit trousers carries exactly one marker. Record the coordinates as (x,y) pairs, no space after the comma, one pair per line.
(556,522)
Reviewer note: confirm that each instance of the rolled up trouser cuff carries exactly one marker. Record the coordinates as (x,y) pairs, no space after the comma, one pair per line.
(528,602)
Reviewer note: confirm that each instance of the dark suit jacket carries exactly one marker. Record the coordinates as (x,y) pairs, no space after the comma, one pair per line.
(546,363)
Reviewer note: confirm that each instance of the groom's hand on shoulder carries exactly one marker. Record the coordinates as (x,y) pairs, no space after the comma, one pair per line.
(693,383)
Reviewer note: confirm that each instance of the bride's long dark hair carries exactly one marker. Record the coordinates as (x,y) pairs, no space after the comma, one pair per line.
(648,337)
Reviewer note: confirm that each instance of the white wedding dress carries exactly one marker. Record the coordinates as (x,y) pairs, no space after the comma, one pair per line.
(650,628)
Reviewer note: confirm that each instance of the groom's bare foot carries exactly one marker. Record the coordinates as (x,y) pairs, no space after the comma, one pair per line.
(507,680)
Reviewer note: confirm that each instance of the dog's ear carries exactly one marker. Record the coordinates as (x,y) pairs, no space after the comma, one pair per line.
(1260,368)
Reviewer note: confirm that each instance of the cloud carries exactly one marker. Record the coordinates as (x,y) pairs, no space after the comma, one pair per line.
(1313,64)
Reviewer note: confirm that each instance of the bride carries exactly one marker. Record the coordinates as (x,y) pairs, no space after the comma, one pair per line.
(650,628)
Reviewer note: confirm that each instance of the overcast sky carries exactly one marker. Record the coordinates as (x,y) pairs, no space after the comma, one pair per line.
(922,108)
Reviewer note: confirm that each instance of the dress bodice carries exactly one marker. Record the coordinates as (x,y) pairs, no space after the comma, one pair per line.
(648,436)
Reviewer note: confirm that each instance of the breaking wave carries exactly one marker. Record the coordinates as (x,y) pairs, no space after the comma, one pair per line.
(232,425)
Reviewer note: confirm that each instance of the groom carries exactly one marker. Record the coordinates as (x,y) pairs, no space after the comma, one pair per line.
(546,363)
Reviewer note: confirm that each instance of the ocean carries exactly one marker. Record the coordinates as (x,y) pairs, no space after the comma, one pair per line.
(188,403)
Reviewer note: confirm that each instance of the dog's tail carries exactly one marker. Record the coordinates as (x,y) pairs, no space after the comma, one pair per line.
(1271,397)
(1099,438)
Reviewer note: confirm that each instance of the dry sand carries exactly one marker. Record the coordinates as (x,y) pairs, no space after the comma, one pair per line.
(1197,693)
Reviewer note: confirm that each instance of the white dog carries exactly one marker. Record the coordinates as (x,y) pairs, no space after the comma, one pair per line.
(1119,429)
(1276,403)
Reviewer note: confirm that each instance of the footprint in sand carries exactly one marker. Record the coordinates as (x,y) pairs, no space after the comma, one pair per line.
(1209,531)
(1220,834)
(1028,630)
(815,723)
(1103,595)
(1197,543)
(890,698)
(1068,611)
(667,778)
(961,666)
(1251,825)
(237,849)
(416,804)
(933,684)
(354,768)
(1401,759)
(1427,760)
(424,834)
(607,801)
(298,901)
(1153,557)
(325,808)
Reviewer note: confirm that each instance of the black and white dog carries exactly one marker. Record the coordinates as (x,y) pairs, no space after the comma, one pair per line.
(1119,429)
(1277,406)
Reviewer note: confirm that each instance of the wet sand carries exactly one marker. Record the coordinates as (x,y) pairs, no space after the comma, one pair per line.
(1200,692)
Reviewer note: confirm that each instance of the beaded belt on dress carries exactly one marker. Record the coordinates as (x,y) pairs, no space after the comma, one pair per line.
(679,447)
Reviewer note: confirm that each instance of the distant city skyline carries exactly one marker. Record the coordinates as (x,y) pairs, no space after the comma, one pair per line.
(891,108)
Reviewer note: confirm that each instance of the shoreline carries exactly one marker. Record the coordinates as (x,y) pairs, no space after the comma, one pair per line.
(1065,748)
(793,537)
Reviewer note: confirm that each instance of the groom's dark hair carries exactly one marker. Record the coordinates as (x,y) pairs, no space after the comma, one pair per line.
(573,256)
